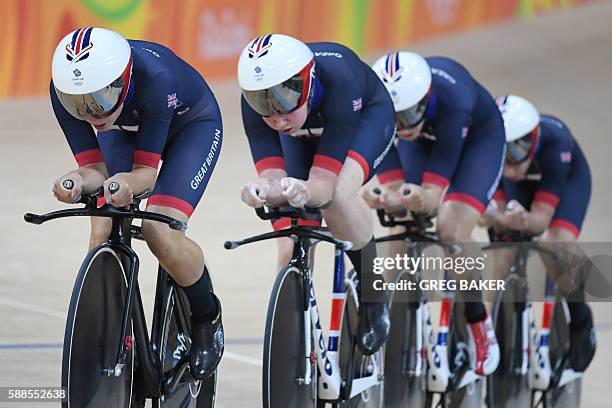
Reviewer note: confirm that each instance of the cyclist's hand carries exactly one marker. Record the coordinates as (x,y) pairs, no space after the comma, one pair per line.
(122,197)
(516,216)
(68,195)
(296,191)
(489,216)
(414,200)
(255,194)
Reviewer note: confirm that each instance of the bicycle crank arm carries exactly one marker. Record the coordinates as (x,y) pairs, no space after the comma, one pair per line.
(468,377)
(175,377)
(361,384)
(114,372)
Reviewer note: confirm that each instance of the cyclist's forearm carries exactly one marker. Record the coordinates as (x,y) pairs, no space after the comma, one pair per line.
(536,223)
(139,179)
(93,176)
(432,195)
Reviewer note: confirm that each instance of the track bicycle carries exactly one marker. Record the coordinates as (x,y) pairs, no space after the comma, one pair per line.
(108,359)
(534,361)
(423,369)
(299,368)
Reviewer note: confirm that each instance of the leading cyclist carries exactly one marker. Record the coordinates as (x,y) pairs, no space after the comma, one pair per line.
(147,105)
(318,122)
(545,172)
(450,148)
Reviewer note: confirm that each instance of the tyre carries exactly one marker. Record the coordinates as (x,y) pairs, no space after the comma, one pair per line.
(471,394)
(568,395)
(506,387)
(174,343)
(92,336)
(403,388)
(283,382)
(354,365)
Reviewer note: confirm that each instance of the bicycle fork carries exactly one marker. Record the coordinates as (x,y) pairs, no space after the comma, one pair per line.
(539,358)
(437,350)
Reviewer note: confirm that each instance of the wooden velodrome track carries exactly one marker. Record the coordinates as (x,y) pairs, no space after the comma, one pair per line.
(561,62)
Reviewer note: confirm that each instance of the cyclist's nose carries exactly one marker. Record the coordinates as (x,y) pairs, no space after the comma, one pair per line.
(281,121)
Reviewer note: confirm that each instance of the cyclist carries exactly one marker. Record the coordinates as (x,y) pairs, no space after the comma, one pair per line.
(546,172)
(318,122)
(449,157)
(146,105)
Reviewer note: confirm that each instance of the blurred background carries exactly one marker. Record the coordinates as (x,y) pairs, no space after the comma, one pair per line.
(210,34)
(556,53)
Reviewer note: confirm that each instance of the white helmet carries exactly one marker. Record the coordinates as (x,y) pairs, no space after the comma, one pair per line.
(407,77)
(522,125)
(274,73)
(91,70)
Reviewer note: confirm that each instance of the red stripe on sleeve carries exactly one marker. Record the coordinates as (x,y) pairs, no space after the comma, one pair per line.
(327,163)
(274,162)
(390,176)
(362,162)
(89,157)
(546,197)
(146,158)
(435,179)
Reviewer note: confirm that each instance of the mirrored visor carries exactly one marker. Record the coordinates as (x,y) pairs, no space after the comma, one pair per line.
(279,99)
(412,116)
(97,105)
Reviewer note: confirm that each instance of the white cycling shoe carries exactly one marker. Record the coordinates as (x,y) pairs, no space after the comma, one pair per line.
(484,350)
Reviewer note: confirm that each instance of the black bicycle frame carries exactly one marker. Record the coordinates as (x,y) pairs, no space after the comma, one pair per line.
(523,244)
(149,371)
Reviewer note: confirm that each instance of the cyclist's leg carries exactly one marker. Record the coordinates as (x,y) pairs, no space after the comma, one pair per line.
(570,274)
(188,163)
(473,184)
(349,217)
(117,148)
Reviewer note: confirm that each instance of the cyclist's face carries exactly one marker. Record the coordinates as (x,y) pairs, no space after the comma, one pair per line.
(516,172)
(105,124)
(288,123)
(411,134)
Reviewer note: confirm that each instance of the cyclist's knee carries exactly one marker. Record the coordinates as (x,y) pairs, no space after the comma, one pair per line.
(100,230)
(157,235)
(449,231)
(558,235)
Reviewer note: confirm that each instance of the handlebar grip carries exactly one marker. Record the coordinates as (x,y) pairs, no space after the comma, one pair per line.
(68,184)
(33,218)
(113,187)
(230,245)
